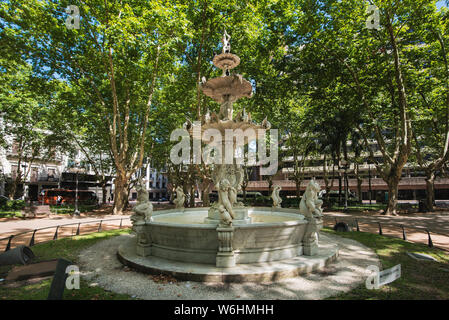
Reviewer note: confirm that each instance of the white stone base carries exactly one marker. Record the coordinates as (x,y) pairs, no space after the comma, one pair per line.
(225,260)
(311,249)
(143,250)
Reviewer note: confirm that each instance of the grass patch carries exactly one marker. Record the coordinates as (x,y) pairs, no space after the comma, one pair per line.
(69,208)
(360,207)
(11,214)
(420,280)
(64,248)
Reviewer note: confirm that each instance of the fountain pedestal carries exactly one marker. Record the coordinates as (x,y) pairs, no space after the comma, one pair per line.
(143,247)
(225,254)
(310,241)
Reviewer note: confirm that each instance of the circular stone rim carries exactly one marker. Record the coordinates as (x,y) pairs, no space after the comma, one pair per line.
(283,212)
(254,272)
(218,61)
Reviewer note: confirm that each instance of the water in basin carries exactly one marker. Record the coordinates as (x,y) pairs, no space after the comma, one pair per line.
(197,217)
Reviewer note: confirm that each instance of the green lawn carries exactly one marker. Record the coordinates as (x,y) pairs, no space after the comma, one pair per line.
(426,280)
(68,249)
(69,208)
(11,214)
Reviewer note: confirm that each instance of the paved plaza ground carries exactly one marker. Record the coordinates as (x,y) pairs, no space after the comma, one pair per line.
(101,268)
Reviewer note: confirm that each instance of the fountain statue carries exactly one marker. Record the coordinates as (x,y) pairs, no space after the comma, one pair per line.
(205,244)
(310,205)
(228,177)
(144,209)
(277,200)
(142,215)
(180,198)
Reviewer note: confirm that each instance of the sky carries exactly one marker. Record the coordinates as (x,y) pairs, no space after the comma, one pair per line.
(441,4)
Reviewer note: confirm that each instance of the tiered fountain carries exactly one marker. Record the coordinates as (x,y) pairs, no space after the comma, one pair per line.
(228,242)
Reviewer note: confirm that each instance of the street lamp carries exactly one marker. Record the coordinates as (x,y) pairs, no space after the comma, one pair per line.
(76,168)
(369,181)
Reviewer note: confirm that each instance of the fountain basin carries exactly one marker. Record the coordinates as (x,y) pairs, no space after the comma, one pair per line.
(184,235)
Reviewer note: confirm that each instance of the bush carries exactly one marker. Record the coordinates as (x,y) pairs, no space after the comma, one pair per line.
(13,205)
(290,202)
(3,201)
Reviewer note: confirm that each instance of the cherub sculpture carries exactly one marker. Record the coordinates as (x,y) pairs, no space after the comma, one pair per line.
(144,209)
(223,193)
(180,198)
(226,42)
(277,200)
(310,205)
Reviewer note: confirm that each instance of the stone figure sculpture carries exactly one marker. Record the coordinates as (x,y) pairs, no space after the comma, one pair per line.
(277,200)
(226,42)
(232,194)
(144,209)
(223,192)
(180,198)
(225,217)
(226,110)
(310,205)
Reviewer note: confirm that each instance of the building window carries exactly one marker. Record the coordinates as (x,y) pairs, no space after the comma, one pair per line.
(34,175)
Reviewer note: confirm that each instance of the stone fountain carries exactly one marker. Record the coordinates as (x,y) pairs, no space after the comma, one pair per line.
(228,241)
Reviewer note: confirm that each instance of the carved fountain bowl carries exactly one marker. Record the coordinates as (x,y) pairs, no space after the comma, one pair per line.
(274,234)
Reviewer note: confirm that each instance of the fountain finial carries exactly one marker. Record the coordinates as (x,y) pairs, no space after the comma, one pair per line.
(226,42)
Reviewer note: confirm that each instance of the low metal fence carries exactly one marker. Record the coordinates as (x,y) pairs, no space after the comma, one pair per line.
(99,225)
(394,229)
(96,226)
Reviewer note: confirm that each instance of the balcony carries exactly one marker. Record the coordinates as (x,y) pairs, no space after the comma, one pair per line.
(376,184)
(50,178)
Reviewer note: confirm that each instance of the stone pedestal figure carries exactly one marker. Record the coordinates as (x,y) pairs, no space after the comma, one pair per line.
(180,198)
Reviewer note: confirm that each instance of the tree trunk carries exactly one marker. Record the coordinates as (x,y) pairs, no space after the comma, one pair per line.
(192,196)
(120,194)
(12,191)
(298,188)
(103,192)
(430,192)
(339,188)
(359,183)
(206,200)
(392,196)
(270,185)
(16,181)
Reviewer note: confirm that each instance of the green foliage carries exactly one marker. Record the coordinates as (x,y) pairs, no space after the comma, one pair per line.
(12,205)
(419,280)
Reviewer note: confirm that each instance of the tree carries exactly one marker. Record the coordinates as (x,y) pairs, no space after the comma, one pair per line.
(368,67)
(23,115)
(431,124)
(116,58)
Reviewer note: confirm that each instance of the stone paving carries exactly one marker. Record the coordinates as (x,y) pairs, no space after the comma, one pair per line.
(100,267)
(87,225)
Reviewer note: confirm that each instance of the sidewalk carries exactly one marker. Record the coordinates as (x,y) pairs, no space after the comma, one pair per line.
(87,225)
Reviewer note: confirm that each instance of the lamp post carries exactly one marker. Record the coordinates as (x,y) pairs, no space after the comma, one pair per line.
(369,182)
(76,168)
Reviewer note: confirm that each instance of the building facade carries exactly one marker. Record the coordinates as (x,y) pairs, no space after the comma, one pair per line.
(412,185)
